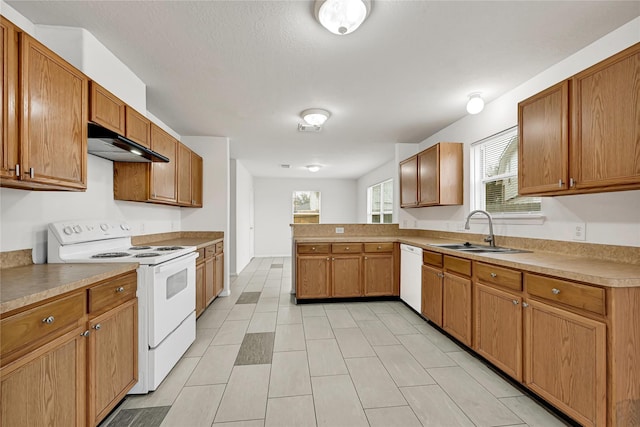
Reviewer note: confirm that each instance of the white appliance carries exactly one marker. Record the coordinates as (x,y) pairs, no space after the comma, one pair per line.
(166,288)
(411,276)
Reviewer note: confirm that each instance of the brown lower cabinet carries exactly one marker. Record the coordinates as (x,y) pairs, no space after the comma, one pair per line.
(456,298)
(209,275)
(81,364)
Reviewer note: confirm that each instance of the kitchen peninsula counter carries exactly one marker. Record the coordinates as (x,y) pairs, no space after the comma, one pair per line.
(199,239)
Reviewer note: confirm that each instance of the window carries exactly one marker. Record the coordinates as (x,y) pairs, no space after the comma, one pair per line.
(495,172)
(380,203)
(306,207)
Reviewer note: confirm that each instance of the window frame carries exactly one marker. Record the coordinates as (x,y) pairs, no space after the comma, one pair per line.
(382,211)
(293,206)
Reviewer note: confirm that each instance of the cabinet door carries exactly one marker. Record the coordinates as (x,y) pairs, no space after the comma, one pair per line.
(47,387)
(378,275)
(210,279)
(184,175)
(346,279)
(432,280)
(53,120)
(606,123)
(113,358)
(312,276)
(565,361)
(196,180)
(106,109)
(163,175)
(429,176)
(200,289)
(138,127)
(218,285)
(456,307)
(498,326)
(409,182)
(8,90)
(543,141)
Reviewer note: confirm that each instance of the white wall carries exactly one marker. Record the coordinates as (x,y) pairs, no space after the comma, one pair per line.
(611,218)
(242,217)
(376,176)
(273,208)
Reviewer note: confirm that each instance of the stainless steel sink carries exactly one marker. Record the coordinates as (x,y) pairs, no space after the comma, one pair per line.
(468,247)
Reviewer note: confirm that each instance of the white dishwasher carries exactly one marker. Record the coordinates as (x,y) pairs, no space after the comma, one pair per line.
(411,276)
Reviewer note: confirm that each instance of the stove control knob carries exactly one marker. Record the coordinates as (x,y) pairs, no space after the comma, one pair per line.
(67,230)
(77,229)
(104,227)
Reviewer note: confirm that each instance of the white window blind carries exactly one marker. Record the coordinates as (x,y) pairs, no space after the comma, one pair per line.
(496,180)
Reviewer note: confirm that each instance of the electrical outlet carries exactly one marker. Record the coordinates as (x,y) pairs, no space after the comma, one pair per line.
(339,230)
(579,231)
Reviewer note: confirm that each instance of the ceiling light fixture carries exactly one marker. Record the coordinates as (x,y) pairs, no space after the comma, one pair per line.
(315,116)
(342,16)
(313,168)
(475,103)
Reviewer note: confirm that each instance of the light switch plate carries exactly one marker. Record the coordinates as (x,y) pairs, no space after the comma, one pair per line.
(339,230)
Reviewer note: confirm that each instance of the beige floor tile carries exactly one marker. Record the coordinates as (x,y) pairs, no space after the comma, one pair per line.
(263,322)
(479,405)
(485,376)
(360,311)
(203,339)
(397,324)
(270,293)
(434,408)
(168,390)
(340,318)
(215,365)
(352,343)
(251,423)
(289,374)
(212,318)
(241,312)
(337,403)
(254,287)
(409,315)
(289,338)
(325,358)
(288,315)
(402,366)
(312,310)
(225,303)
(195,406)
(375,387)
(231,332)
(381,307)
(400,416)
(316,328)
(266,305)
(245,397)
(444,343)
(334,306)
(531,413)
(285,300)
(425,352)
(377,333)
(295,411)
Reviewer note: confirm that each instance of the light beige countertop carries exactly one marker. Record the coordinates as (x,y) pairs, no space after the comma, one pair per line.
(21,286)
(589,270)
(198,242)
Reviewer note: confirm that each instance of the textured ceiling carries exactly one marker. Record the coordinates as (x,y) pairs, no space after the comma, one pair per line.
(246,69)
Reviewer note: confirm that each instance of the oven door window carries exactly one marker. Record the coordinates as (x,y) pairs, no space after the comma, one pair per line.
(176,283)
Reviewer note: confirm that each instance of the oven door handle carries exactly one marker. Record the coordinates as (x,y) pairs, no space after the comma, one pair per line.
(171,264)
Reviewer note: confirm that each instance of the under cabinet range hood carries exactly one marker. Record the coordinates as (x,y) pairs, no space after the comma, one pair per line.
(109,145)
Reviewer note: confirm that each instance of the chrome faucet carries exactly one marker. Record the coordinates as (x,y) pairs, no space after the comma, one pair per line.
(490,238)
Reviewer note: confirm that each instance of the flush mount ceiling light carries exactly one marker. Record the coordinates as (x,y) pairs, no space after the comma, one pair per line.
(475,103)
(342,16)
(315,116)
(313,168)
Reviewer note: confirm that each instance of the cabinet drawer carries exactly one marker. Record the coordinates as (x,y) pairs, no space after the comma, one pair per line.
(29,326)
(487,273)
(112,293)
(201,255)
(340,248)
(378,247)
(457,265)
(210,251)
(310,248)
(432,258)
(576,295)
(219,247)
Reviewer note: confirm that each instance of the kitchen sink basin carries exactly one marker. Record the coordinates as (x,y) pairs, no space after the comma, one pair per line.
(471,248)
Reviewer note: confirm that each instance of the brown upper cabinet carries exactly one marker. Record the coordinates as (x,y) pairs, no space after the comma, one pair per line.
(106,109)
(138,127)
(44,110)
(184,175)
(433,177)
(583,134)
(196,180)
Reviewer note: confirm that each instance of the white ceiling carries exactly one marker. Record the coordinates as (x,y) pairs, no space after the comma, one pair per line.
(246,69)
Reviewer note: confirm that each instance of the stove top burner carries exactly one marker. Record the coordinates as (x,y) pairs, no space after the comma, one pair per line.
(139,248)
(110,255)
(169,248)
(146,255)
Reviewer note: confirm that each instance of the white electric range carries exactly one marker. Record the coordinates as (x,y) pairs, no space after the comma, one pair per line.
(166,288)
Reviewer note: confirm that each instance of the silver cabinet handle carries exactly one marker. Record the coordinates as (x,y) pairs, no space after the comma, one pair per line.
(347,248)
(333,259)
(440,275)
(85,334)
(525,305)
(97,327)
(16,170)
(379,247)
(572,182)
(48,320)
(560,183)
(366,257)
(327,258)
(515,302)
(555,291)
(313,248)
(120,289)
(494,275)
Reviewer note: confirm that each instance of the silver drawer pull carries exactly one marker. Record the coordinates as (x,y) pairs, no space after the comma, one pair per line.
(379,247)
(440,275)
(347,248)
(494,275)
(120,289)
(313,248)
(97,327)
(525,305)
(85,334)
(48,320)
(555,291)
(515,302)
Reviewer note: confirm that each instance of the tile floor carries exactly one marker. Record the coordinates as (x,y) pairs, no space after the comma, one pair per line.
(260,360)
